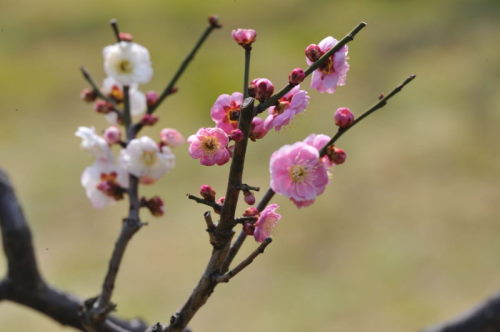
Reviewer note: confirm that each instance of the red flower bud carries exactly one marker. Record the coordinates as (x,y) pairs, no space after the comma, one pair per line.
(250,212)
(249,197)
(336,155)
(214,21)
(149,119)
(88,95)
(103,107)
(236,135)
(151,98)
(244,37)
(124,36)
(249,228)
(343,117)
(207,192)
(261,89)
(313,52)
(296,76)
(155,205)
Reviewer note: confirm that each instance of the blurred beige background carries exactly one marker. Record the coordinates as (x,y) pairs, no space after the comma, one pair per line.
(405,236)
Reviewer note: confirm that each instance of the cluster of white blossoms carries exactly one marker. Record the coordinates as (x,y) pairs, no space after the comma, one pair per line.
(107,179)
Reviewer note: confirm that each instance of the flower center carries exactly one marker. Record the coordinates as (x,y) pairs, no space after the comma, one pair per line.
(209,144)
(149,158)
(298,173)
(232,113)
(328,67)
(125,66)
(281,107)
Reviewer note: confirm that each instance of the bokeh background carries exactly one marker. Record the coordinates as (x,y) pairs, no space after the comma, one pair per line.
(405,236)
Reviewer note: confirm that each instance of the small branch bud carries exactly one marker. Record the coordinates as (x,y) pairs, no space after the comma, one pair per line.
(296,76)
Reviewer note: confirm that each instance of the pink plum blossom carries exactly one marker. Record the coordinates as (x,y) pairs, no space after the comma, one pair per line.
(298,173)
(319,141)
(171,137)
(334,71)
(268,219)
(244,37)
(145,159)
(291,104)
(210,146)
(223,109)
(257,129)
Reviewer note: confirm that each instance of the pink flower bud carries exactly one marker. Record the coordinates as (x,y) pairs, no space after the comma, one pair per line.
(343,117)
(207,192)
(258,129)
(112,135)
(296,76)
(155,205)
(261,89)
(236,135)
(249,228)
(149,119)
(214,21)
(171,137)
(250,212)
(124,36)
(244,37)
(103,107)
(313,52)
(221,200)
(249,197)
(151,98)
(336,155)
(88,95)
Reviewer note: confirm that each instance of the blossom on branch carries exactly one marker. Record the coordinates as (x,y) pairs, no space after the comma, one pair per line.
(334,71)
(94,144)
(114,89)
(210,146)
(128,63)
(244,37)
(225,111)
(268,219)
(319,141)
(291,104)
(171,137)
(298,173)
(145,159)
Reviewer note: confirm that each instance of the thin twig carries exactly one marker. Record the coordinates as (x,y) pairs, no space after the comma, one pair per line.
(90,80)
(348,38)
(114,25)
(210,227)
(246,73)
(260,249)
(233,251)
(378,105)
(212,204)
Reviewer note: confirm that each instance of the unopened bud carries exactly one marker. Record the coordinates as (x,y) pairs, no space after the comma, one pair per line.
(236,135)
(207,192)
(249,228)
(261,89)
(171,137)
(249,197)
(313,52)
(214,21)
(149,119)
(336,155)
(257,129)
(221,200)
(155,205)
(296,76)
(112,135)
(244,37)
(250,212)
(103,107)
(343,117)
(126,37)
(88,95)
(151,98)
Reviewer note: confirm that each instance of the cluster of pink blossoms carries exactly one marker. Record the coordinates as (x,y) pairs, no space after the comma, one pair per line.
(107,179)
(299,171)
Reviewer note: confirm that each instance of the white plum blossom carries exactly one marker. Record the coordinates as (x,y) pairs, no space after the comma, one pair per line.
(146,160)
(128,63)
(94,144)
(99,173)
(138,104)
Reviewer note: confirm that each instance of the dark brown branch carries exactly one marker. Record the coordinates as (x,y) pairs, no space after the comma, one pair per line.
(94,86)
(233,251)
(210,227)
(348,38)
(260,249)
(24,284)
(212,204)
(114,25)
(483,318)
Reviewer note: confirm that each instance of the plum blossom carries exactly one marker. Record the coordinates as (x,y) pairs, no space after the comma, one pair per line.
(268,219)
(298,173)
(128,63)
(261,89)
(319,141)
(171,137)
(343,117)
(210,146)
(94,144)
(104,183)
(257,129)
(223,110)
(244,37)
(334,71)
(114,89)
(291,104)
(145,159)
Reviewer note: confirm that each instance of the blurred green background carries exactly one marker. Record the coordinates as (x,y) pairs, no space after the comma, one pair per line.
(405,236)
